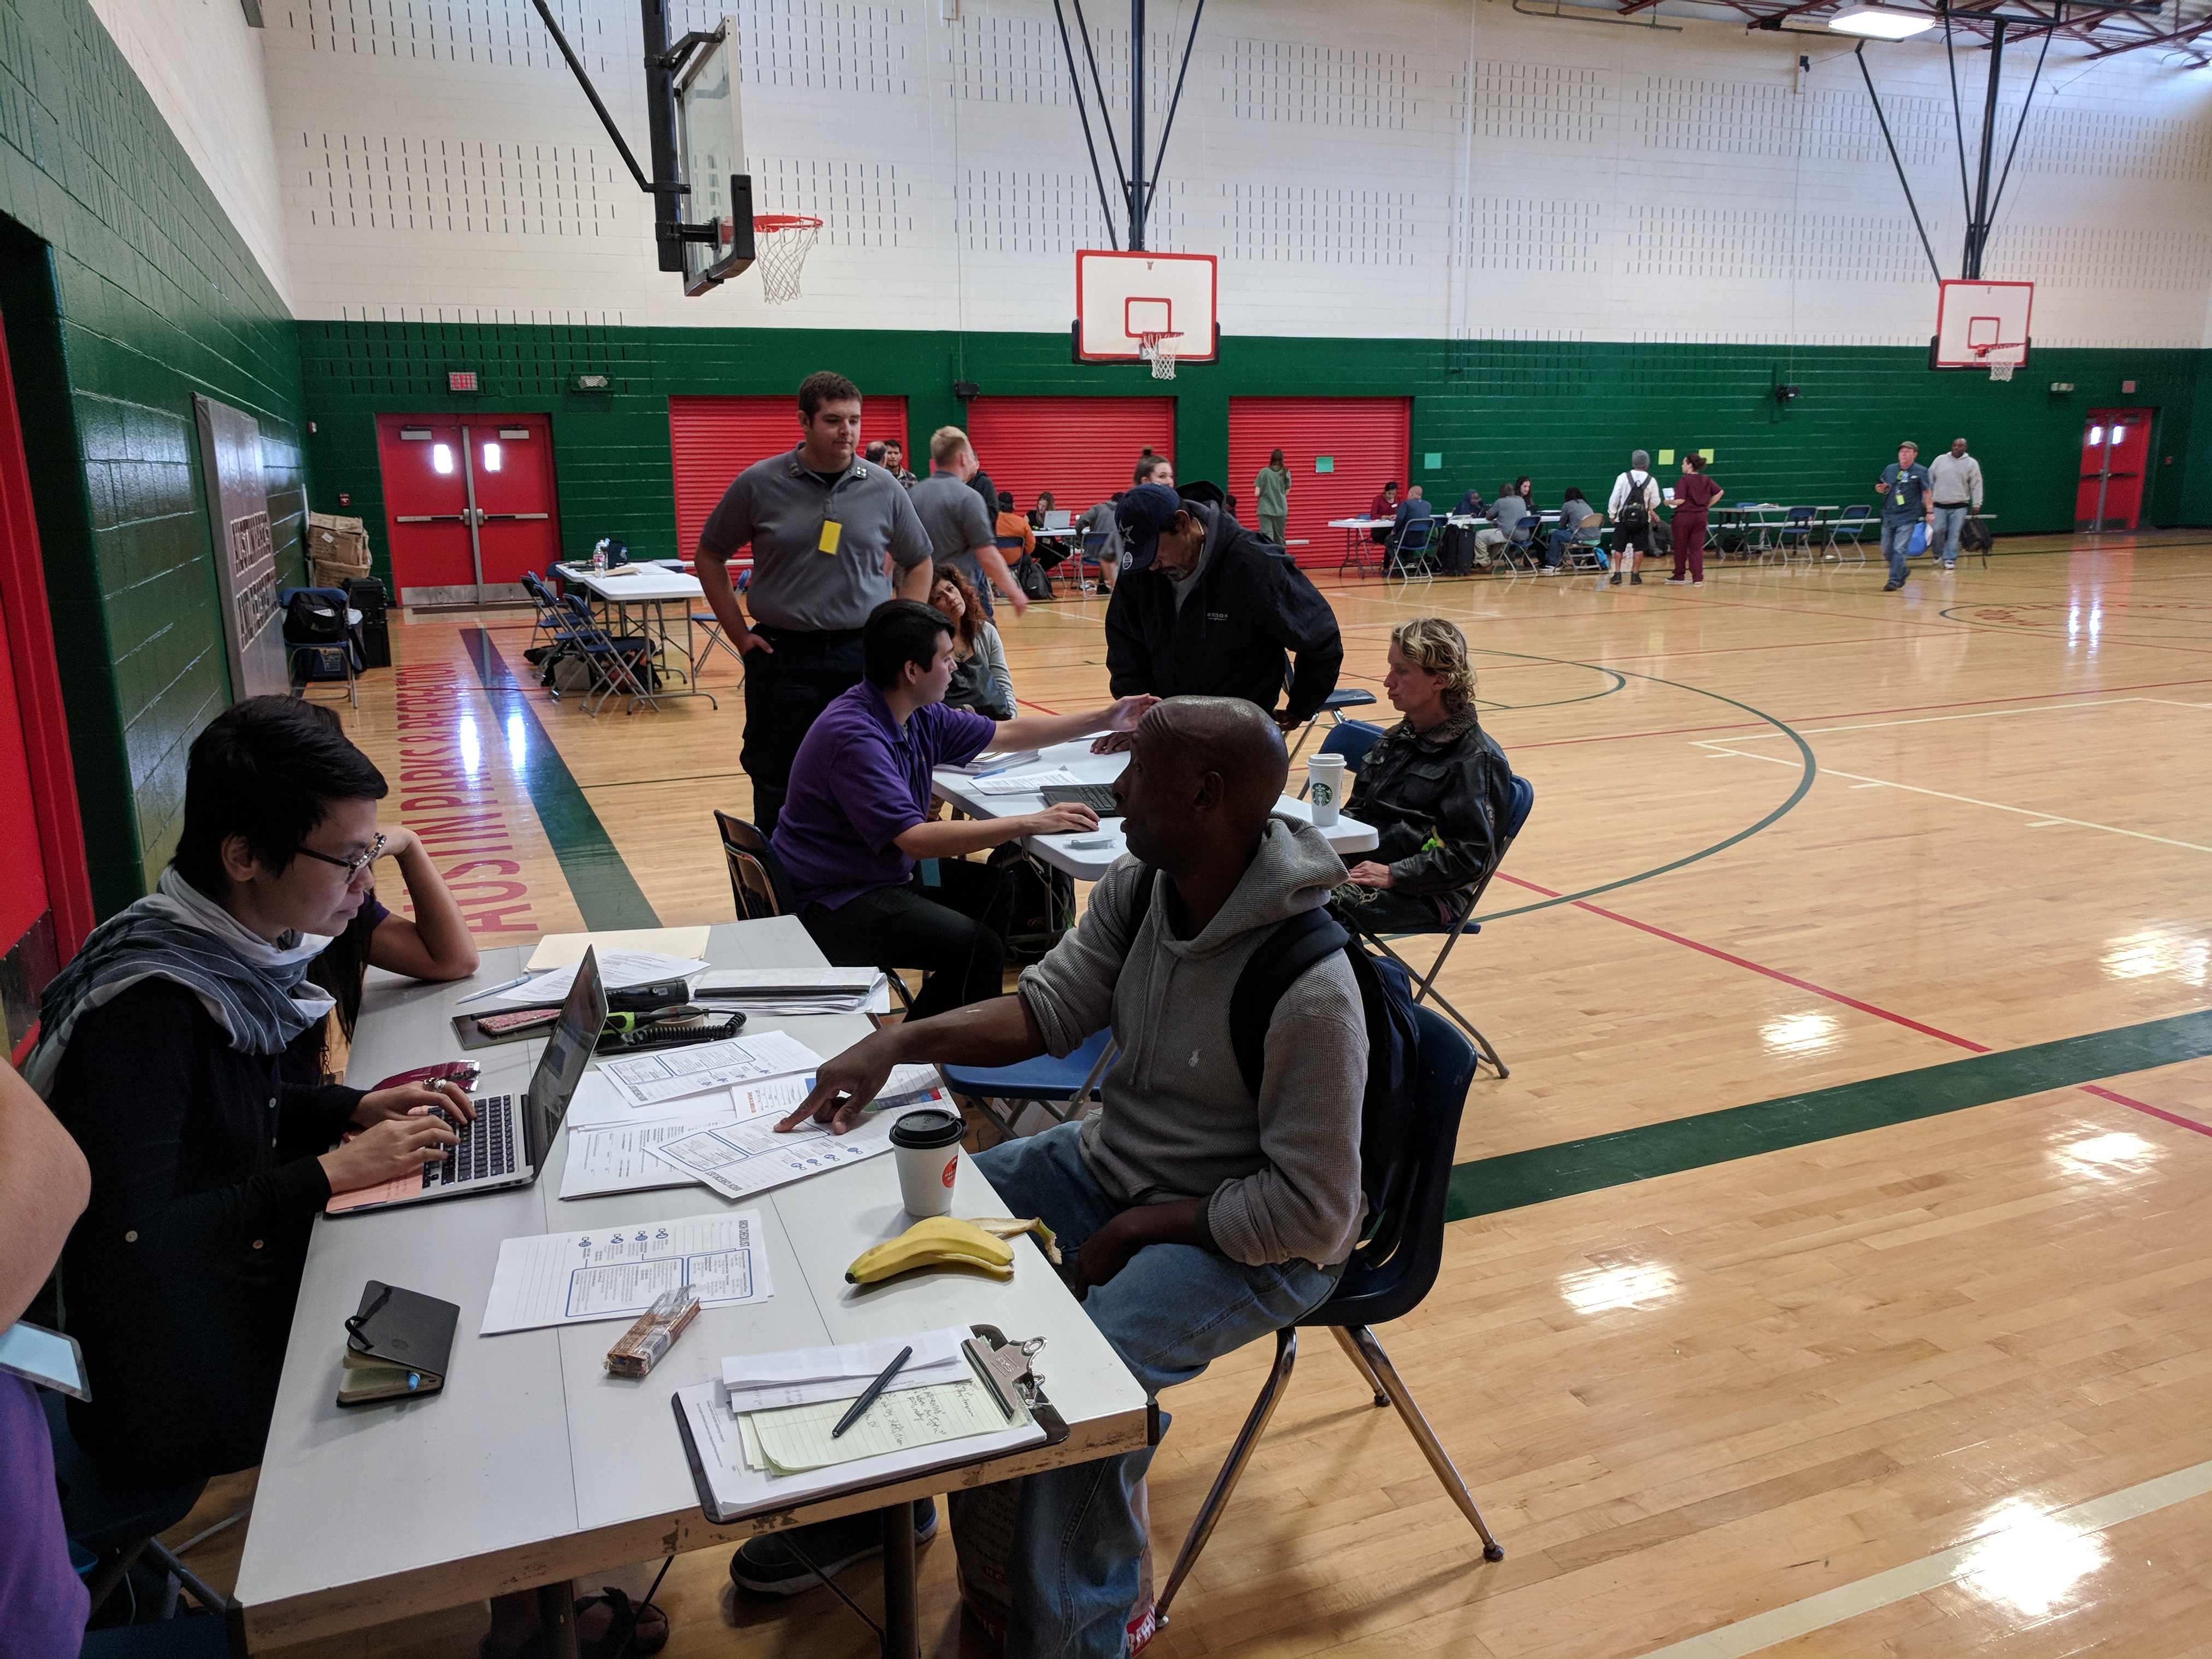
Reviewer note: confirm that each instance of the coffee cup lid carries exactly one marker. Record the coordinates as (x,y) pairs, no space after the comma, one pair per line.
(927,1128)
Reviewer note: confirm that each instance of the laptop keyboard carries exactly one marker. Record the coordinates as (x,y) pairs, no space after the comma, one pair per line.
(487,1145)
(1098,796)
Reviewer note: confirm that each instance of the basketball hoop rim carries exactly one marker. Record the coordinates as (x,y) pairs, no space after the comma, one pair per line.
(770,223)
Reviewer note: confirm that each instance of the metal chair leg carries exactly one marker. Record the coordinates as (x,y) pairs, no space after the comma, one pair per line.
(1424,1438)
(1240,1454)
(1360,1364)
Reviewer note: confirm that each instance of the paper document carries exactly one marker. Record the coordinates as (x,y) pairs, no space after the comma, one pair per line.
(618,969)
(803,1376)
(740,1159)
(1028,783)
(650,1079)
(797,1438)
(618,1158)
(560,950)
(739,984)
(617,1273)
(994,760)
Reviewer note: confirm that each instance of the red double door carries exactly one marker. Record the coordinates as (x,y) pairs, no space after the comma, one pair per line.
(2115,461)
(469,505)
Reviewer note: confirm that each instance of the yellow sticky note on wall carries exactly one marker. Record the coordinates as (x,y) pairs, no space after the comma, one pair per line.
(1707,454)
(1666,458)
(831,531)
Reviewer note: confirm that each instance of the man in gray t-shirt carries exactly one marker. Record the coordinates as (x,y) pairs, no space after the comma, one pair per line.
(827,531)
(961,530)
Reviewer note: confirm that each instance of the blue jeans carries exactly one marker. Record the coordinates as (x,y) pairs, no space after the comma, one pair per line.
(1176,1308)
(1943,534)
(1896,546)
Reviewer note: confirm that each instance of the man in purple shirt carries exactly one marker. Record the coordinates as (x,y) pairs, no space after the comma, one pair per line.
(856,822)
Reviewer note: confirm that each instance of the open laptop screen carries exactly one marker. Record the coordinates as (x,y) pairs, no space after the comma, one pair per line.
(567,1052)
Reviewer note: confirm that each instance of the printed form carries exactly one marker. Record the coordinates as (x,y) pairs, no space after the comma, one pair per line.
(617,1273)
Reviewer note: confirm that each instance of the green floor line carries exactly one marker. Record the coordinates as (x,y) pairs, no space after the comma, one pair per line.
(605,891)
(1488,1185)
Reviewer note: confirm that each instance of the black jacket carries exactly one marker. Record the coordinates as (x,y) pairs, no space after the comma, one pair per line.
(180,1277)
(1246,609)
(1451,785)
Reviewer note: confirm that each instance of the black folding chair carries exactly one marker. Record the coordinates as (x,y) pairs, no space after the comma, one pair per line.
(1524,799)
(1386,1278)
(622,665)
(759,886)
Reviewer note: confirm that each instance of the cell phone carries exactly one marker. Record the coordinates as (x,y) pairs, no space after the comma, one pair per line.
(44,1356)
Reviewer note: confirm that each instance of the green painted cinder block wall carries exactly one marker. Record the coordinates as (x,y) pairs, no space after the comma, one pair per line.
(1566,413)
(125,290)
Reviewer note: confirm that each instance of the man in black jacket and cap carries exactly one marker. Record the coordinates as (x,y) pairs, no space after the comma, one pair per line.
(1203,607)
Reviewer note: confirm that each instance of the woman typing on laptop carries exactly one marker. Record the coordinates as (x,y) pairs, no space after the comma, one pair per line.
(158,1051)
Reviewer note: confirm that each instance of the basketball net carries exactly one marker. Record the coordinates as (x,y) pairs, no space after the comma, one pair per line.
(782,242)
(1158,349)
(1998,371)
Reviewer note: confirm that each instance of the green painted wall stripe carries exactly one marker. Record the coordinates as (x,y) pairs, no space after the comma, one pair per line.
(1488,1185)
(606,893)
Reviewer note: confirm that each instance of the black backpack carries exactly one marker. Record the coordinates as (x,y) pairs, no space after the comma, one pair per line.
(1635,514)
(1393,1037)
(1973,536)
(310,619)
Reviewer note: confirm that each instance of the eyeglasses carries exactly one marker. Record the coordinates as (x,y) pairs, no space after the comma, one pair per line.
(352,866)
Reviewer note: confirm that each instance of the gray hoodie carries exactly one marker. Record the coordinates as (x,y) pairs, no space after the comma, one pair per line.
(1282,1172)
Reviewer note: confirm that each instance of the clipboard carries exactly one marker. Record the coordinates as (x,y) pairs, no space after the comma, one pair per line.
(841,1478)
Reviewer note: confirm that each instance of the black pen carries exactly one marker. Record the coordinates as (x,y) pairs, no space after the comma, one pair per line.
(874,1389)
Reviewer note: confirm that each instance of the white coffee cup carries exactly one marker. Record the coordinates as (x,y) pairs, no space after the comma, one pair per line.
(927,1146)
(1325,786)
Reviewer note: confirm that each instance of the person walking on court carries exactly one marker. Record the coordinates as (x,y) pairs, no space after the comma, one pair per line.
(1955,483)
(1694,499)
(1270,499)
(1633,509)
(962,533)
(827,530)
(1905,502)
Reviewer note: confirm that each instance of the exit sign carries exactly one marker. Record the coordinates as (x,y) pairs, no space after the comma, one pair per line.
(461,380)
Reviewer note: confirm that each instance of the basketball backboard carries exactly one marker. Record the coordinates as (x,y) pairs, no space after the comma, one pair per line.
(1982,324)
(1120,298)
(710,152)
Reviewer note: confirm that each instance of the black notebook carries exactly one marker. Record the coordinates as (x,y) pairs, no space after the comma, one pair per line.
(398,1346)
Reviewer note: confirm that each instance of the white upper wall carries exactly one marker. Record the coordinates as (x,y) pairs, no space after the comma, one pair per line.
(202,67)
(1438,168)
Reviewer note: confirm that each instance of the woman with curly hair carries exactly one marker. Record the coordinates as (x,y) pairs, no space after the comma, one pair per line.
(1435,787)
(980,680)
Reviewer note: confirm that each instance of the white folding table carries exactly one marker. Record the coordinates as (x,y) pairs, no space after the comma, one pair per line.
(651,588)
(1090,863)
(533,1466)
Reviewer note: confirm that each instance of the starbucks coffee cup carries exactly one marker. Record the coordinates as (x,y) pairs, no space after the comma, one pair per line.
(1325,786)
(927,1144)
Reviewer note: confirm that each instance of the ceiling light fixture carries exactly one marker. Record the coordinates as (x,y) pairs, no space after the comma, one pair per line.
(1881,22)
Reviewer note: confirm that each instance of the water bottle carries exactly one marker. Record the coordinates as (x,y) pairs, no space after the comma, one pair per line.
(600,558)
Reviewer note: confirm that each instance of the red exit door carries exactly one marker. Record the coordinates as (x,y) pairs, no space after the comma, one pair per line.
(2115,459)
(470,505)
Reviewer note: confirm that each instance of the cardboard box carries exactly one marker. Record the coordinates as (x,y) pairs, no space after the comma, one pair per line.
(335,541)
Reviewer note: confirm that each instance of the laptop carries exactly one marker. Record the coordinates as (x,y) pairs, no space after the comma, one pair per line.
(1058,518)
(507,1144)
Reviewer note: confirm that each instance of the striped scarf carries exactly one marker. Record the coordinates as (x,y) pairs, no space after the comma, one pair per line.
(256,991)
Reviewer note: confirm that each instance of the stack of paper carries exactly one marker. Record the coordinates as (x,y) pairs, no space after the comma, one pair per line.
(788,991)
(786,1404)
(1026,783)
(618,971)
(740,1158)
(994,760)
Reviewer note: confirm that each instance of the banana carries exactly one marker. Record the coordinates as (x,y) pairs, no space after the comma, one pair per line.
(1002,1226)
(941,1241)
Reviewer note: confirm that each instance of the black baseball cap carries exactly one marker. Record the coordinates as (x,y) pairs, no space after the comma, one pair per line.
(1142,513)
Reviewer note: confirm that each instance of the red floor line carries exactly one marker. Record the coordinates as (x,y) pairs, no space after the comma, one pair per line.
(1039,707)
(1758,968)
(1848,1001)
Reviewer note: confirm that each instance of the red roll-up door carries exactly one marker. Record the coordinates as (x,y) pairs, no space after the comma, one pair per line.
(1081,449)
(712,439)
(1366,440)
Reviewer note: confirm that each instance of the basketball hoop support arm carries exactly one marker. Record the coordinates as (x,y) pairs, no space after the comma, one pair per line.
(1137,190)
(662,62)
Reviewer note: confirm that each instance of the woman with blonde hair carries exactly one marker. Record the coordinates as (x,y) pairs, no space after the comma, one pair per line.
(1435,787)
(981,679)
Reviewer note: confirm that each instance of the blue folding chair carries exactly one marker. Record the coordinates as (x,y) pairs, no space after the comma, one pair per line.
(1794,535)
(1350,739)
(620,666)
(1386,1278)
(1408,550)
(1062,1089)
(304,656)
(1523,799)
(1849,531)
(1333,705)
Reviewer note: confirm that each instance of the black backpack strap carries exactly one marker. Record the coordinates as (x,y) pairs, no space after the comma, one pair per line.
(1272,970)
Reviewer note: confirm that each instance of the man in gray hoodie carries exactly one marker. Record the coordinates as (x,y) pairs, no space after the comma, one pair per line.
(1197,1217)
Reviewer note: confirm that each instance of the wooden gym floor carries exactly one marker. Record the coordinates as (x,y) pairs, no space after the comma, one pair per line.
(1827,1274)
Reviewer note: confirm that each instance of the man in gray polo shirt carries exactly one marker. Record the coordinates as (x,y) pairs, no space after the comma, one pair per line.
(961,533)
(827,530)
